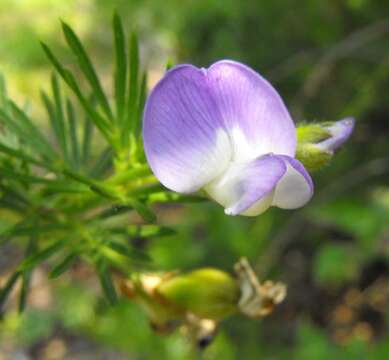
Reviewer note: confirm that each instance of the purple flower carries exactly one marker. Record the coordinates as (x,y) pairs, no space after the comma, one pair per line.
(225,130)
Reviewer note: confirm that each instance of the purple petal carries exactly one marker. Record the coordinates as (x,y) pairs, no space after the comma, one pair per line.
(184,137)
(247,188)
(340,131)
(295,188)
(197,120)
(255,115)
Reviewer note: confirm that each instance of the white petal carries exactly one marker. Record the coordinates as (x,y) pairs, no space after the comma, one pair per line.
(295,188)
(247,188)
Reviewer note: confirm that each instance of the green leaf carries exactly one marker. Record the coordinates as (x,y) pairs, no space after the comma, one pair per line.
(73,134)
(14,206)
(93,184)
(144,231)
(148,231)
(106,282)
(87,140)
(24,290)
(15,193)
(64,265)
(141,104)
(128,251)
(120,74)
(129,126)
(87,68)
(114,211)
(102,163)
(7,288)
(9,172)
(23,156)
(69,79)
(32,130)
(80,178)
(129,204)
(64,187)
(26,275)
(141,209)
(59,118)
(49,106)
(24,228)
(41,256)
(26,132)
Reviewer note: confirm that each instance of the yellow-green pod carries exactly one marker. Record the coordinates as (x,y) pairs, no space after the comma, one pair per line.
(207,293)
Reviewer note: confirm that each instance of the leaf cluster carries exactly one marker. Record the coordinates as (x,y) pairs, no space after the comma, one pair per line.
(69,186)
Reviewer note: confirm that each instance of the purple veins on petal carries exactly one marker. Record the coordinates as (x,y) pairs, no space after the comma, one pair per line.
(253,110)
(216,129)
(184,138)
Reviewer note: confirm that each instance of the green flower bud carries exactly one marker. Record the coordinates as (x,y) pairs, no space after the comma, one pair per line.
(316,143)
(311,133)
(312,157)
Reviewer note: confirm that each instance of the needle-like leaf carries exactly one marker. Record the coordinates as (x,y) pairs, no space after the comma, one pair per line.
(87,68)
(70,80)
(26,274)
(23,156)
(106,282)
(7,288)
(129,126)
(59,118)
(23,127)
(120,74)
(139,110)
(128,251)
(42,255)
(73,135)
(141,209)
(87,141)
(64,265)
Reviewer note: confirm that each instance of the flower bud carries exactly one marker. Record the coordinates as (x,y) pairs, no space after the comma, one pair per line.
(317,142)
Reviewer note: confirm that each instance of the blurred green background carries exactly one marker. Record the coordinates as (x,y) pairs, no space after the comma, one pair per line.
(328,59)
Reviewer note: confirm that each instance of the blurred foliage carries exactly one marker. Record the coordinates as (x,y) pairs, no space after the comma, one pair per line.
(329,60)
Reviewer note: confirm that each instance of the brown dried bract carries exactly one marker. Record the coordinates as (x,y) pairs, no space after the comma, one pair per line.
(257,300)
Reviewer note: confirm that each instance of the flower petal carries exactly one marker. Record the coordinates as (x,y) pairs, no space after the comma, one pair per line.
(254,113)
(184,137)
(247,188)
(295,188)
(340,131)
